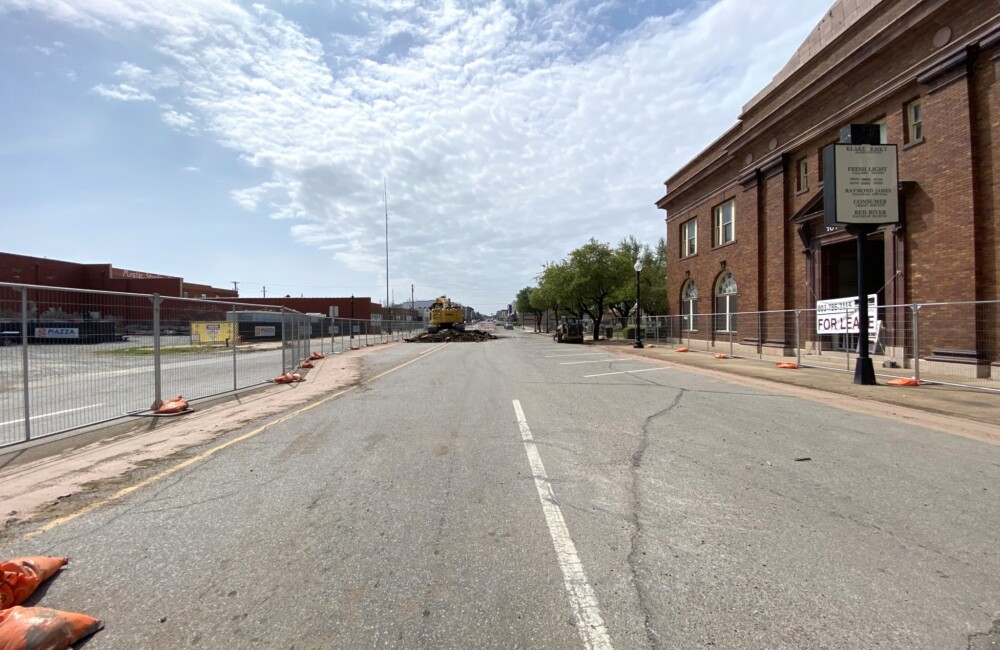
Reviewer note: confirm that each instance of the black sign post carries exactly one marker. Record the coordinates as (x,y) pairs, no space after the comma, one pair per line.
(860,191)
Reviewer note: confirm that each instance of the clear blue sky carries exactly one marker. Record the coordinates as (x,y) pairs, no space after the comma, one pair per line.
(222,140)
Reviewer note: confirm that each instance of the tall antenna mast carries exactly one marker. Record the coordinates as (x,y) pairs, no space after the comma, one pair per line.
(385,198)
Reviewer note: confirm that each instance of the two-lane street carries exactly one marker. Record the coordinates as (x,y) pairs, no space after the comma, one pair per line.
(523,493)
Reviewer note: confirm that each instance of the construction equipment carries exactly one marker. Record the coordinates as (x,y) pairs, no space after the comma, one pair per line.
(446,315)
(570,330)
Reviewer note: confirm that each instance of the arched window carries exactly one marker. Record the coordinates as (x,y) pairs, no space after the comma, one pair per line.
(689,306)
(725,303)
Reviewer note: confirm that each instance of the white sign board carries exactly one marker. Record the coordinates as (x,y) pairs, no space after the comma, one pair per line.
(865,184)
(840,316)
(57,332)
(264,330)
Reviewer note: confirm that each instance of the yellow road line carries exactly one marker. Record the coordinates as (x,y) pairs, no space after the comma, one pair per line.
(214,450)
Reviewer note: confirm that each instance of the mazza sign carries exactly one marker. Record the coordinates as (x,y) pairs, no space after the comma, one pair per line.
(840,316)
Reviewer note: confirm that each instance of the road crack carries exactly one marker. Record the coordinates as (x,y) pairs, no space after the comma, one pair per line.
(636,520)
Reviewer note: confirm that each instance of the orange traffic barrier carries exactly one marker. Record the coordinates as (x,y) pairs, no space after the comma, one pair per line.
(38,628)
(316,355)
(791,365)
(681,350)
(721,356)
(173,405)
(21,576)
(306,364)
(904,381)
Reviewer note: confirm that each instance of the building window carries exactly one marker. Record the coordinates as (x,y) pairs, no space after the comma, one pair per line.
(914,122)
(802,182)
(724,222)
(819,166)
(725,303)
(689,306)
(689,238)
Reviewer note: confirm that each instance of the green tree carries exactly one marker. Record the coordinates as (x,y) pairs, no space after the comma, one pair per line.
(652,279)
(523,305)
(596,274)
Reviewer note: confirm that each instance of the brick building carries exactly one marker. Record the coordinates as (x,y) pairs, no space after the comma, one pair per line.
(359,307)
(745,217)
(23,269)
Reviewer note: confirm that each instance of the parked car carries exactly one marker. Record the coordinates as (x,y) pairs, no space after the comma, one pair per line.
(508,326)
(10,338)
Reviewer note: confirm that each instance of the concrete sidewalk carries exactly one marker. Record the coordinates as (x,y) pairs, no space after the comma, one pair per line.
(964,411)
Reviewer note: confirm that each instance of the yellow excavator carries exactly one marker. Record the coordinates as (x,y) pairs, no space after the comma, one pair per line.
(446,315)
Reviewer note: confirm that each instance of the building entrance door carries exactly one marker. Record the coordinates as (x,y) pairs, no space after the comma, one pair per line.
(840,279)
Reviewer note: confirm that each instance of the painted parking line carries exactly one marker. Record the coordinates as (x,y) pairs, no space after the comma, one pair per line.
(573,354)
(623,372)
(49,415)
(583,600)
(604,360)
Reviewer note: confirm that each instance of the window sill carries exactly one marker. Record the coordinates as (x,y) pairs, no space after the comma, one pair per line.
(687,257)
(912,143)
(804,190)
(728,243)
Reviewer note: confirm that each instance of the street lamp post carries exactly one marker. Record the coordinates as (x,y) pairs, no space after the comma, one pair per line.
(638,309)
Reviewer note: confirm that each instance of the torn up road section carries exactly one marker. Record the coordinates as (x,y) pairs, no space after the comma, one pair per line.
(452,336)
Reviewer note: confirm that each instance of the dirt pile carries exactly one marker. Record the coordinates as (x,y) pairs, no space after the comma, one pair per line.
(452,336)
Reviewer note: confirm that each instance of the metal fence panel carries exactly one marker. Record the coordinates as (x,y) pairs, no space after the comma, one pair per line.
(72,358)
(947,343)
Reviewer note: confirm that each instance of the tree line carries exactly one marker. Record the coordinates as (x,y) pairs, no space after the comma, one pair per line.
(599,280)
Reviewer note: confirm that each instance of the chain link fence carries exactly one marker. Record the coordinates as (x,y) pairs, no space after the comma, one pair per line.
(954,343)
(73,358)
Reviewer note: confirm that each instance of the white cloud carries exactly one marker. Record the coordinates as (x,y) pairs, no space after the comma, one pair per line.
(508,129)
(123,92)
(185,122)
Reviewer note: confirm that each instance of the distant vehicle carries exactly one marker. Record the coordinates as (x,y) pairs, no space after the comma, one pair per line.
(10,338)
(570,330)
(446,315)
(508,326)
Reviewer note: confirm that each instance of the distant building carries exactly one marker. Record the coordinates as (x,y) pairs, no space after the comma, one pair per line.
(22,269)
(359,307)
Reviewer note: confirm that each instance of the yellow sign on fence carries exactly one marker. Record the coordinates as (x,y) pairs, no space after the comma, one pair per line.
(212,332)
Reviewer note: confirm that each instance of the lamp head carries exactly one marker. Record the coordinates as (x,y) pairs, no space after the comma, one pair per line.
(638,266)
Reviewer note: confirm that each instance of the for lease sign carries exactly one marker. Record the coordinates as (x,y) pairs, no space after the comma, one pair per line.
(840,316)
(57,332)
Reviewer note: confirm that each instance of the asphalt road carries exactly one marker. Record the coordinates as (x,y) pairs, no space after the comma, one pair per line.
(520,493)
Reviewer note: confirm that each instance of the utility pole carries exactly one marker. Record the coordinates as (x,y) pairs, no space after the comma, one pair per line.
(411,297)
(265,292)
(236,287)
(385,198)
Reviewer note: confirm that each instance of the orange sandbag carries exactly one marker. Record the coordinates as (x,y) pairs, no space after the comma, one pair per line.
(41,628)
(21,576)
(306,364)
(720,356)
(903,381)
(681,350)
(316,355)
(287,378)
(791,365)
(173,405)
